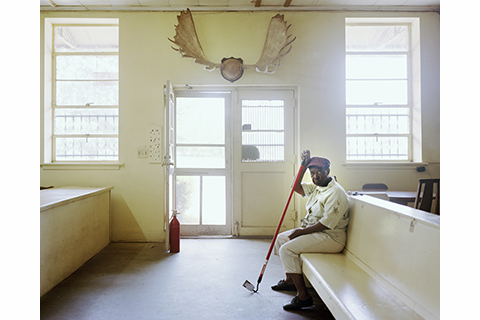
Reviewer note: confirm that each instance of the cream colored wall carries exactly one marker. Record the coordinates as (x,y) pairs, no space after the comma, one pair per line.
(316,64)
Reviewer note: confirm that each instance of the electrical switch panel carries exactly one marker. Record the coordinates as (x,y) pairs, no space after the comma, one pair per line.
(155,146)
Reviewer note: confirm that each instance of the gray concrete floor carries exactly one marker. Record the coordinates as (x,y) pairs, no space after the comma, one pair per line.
(203,281)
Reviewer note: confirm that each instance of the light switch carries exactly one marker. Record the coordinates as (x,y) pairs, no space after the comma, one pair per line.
(142,152)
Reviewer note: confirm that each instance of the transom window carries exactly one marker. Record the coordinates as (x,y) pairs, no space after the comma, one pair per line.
(378,92)
(85,93)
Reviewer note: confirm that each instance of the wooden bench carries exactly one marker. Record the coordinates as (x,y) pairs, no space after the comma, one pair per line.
(389,269)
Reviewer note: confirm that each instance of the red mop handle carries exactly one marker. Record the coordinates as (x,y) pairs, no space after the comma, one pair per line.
(281,221)
(285,209)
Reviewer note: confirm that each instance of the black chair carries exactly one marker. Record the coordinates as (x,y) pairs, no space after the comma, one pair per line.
(374,187)
(427,191)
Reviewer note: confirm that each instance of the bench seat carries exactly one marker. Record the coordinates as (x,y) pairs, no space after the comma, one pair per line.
(352,293)
(389,268)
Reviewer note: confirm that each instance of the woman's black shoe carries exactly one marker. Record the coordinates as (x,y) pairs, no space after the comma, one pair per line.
(283,286)
(297,304)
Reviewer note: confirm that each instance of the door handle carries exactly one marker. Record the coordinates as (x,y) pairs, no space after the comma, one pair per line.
(167,162)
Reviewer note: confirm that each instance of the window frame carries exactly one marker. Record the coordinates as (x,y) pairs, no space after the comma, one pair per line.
(413,152)
(54,106)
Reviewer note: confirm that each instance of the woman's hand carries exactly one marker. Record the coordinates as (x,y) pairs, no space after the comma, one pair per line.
(317,227)
(306,156)
(295,233)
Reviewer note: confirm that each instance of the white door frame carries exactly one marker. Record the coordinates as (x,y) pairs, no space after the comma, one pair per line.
(233,189)
(261,188)
(209,229)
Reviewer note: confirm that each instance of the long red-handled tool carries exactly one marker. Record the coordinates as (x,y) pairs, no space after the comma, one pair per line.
(247,284)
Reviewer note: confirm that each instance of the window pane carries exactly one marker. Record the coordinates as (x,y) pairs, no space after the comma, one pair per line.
(201,157)
(263,153)
(263,129)
(378,120)
(262,138)
(188,199)
(86,39)
(213,202)
(370,92)
(83,92)
(261,117)
(376,67)
(87,67)
(377,38)
(377,148)
(200,120)
(86,120)
(86,149)
(263,146)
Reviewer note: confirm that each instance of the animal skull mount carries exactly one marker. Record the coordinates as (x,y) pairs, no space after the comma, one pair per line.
(277,45)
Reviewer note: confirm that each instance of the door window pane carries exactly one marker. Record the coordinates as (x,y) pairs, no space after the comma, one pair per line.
(200,120)
(263,128)
(188,199)
(201,157)
(201,200)
(213,201)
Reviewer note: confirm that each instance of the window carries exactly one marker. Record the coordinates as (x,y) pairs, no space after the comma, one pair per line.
(263,130)
(85,93)
(379,94)
(200,132)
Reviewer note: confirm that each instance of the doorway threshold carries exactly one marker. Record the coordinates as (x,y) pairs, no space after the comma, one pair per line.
(208,237)
(225,237)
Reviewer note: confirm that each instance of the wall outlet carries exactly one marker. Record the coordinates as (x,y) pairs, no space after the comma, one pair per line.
(142,152)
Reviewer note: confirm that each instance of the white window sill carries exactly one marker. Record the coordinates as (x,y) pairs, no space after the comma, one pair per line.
(383,165)
(81,166)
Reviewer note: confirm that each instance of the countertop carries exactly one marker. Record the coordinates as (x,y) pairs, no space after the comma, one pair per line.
(50,198)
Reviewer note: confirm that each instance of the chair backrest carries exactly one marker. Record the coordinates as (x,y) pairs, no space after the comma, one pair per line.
(427,191)
(374,186)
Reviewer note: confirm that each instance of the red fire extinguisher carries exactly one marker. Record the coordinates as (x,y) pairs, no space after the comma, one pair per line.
(174,233)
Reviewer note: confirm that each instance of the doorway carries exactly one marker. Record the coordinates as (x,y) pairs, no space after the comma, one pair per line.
(234,154)
(202,166)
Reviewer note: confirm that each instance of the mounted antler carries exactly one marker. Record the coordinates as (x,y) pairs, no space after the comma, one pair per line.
(187,41)
(277,45)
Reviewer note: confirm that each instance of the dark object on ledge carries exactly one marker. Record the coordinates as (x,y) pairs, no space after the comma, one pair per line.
(43,188)
(374,187)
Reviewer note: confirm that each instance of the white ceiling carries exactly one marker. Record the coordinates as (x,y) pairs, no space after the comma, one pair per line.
(239,5)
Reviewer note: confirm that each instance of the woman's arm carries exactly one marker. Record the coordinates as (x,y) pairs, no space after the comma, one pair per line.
(306,159)
(317,227)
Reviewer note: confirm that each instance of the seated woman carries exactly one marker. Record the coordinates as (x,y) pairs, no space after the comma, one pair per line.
(323,228)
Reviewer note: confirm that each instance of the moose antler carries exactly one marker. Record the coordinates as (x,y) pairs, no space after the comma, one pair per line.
(187,41)
(277,45)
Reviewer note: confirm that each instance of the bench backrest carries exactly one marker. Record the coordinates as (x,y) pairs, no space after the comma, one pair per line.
(400,247)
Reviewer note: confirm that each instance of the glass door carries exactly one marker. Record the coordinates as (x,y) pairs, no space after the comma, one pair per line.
(264,160)
(202,168)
